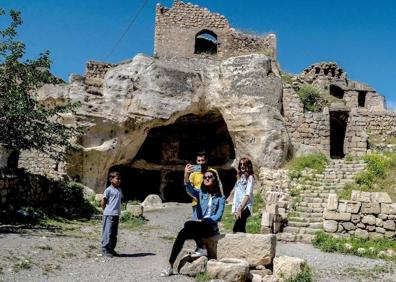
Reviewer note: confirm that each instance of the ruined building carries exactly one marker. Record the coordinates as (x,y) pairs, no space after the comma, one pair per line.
(206,87)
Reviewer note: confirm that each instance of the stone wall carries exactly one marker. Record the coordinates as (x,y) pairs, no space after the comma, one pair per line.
(18,189)
(305,128)
(362,124)
(176,28)
(94,76)
(366,215)
(39,163)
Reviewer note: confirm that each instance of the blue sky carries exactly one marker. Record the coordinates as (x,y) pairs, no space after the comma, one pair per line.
(359,35)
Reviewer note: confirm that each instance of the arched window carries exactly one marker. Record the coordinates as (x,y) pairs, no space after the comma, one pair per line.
(206,42)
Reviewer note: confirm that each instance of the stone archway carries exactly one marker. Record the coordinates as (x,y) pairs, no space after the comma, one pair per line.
(158,165)
(338,127)
(205,42)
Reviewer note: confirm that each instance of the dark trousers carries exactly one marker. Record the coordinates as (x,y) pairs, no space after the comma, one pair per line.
(109,232)
(195,230)
(240,224)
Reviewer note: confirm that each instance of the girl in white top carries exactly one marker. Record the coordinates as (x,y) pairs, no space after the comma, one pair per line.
(242,206)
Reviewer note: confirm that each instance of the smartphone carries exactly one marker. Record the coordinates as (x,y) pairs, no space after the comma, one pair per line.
(196,168)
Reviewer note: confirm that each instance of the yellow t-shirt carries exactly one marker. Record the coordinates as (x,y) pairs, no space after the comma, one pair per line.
(196,179)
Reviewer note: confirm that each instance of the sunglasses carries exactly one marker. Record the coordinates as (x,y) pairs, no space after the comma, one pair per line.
(208,177)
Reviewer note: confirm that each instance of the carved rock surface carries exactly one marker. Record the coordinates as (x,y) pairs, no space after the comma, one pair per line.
(228,269)
(143,93)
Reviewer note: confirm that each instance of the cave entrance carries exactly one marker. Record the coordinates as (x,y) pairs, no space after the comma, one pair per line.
(159,164)
(338,126)
(206,42)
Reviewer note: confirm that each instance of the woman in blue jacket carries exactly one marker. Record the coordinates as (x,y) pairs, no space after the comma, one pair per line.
(210,209)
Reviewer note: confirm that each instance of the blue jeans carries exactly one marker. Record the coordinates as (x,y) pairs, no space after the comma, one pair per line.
(109,232)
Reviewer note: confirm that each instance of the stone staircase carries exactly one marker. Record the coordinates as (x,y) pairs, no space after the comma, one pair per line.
(311,198)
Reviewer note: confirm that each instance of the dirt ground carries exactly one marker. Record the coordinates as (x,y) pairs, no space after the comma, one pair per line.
(72,253)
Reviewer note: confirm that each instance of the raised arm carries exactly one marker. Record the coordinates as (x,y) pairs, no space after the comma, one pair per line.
(191,191)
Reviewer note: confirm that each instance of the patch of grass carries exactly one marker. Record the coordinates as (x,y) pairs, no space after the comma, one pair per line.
(253,224)
(203,277)
(327,243)
(303,276)
(287,77)
(379,176)
(311,98)
(375,272)
(48,268)
(316,162)
(129,221)
(22,264)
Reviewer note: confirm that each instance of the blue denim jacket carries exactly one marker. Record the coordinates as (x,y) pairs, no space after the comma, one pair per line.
(217,209)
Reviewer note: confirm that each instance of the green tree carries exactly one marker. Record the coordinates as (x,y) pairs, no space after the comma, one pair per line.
(24,123)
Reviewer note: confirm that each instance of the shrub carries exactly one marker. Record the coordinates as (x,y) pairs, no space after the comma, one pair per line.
(303,276)
(316,162)
(287,77)
(311,98)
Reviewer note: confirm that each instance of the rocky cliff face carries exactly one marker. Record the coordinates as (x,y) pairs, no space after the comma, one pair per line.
(145,93)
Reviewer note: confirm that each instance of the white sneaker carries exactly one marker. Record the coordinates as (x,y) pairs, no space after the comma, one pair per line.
(167,271)
(200,253)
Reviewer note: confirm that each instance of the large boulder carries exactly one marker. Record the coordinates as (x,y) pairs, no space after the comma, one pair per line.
(256,249)
(228,269)
(152,201)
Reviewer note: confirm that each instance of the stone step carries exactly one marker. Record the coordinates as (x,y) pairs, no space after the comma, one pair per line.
(309,215)
(306,219)
(291,229)
(310,225)
(307,209)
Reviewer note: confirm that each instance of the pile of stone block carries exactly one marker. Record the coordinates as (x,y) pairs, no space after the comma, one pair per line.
(241,257)
(367,215)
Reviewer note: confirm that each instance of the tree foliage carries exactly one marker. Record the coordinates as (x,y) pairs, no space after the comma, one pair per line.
(24,123)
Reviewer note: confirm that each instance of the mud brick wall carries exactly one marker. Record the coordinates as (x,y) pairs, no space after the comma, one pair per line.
(367,215)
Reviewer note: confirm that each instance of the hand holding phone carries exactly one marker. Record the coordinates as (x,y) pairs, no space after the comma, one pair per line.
(196,168)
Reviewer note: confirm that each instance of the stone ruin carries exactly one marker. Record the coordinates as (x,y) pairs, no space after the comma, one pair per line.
(208,87)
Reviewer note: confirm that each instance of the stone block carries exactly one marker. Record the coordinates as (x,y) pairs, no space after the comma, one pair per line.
(256,249)
(380,230)
(340,216)
(361,196)
(228,269)
(271,208)
(332,202)
(330,226)
(381,197)
(361,225)
(388,208)
(349,206)
(194,266)
(371,208)
(383,216)
(370,228)
(287,267)
(369,219)
(348,226)
(390,234)
(355,218)
(267,219)
(375,236)
(360,233)
(135,210)
(379,222)
(389,225)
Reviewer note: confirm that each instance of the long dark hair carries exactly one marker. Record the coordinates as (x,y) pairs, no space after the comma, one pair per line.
(216,187)
(248,167)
